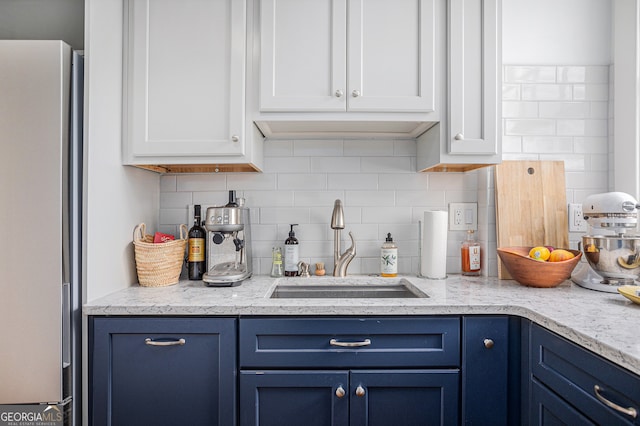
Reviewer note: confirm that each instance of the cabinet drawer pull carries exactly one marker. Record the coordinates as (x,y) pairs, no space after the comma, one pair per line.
(360,391)
(488,343)
(365,342)
(340,392)
(149,341)
(632,412)
(339,93)
(235,138)
(459,137)
(355,93)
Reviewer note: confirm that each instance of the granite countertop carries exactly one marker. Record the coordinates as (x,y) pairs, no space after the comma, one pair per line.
(605,323)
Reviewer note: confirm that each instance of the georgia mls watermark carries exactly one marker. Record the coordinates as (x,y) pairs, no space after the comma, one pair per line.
(31,415)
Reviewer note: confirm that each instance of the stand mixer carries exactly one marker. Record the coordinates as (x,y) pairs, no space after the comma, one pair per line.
(228,244)
(613,255)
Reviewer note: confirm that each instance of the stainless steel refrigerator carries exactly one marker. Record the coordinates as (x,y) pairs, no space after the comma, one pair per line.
(40,230)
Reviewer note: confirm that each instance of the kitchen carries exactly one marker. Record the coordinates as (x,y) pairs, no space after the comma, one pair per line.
(308,168)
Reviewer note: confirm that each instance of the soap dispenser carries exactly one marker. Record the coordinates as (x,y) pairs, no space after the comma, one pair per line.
(291,256)
(389,258)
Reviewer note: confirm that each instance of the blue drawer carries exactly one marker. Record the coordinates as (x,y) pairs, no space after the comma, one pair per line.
(349,341)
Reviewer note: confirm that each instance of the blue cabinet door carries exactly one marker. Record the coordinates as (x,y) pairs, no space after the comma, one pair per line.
(142,373)
(404,397)
(548,409)
(291,398)
(490,370)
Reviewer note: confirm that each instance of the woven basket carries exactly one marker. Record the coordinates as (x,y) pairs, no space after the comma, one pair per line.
(158,264)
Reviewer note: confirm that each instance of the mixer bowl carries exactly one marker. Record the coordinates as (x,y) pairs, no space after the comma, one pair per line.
(615,258)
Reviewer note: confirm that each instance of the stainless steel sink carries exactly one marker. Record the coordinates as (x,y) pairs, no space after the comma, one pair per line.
(400,289)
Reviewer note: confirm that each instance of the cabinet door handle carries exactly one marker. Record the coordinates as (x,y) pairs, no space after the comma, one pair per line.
(339,93)
(355,93)
(365,342)
(459,137)
(360,391)
(631,412)
(340,392)
(488,343)
(149,341)
(235,138)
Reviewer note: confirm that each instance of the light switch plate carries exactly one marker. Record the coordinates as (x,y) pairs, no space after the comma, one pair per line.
(463,216)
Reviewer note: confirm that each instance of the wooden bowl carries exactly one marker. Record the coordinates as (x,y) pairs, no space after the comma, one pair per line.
(534,273)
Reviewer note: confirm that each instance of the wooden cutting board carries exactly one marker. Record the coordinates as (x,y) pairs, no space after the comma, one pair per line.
(531,205)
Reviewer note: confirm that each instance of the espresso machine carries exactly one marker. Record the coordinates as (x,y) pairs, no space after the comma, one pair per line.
(612,249)
(228,244)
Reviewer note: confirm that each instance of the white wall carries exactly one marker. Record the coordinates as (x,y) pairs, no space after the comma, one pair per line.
(43,20)
(556,32)
(117,197)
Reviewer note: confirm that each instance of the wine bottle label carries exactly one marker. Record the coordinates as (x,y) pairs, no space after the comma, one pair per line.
(389,261)
(474,258)
(291,257)
(196,249)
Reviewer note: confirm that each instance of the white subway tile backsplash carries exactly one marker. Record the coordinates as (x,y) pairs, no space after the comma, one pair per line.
(318,148)
(511,92)
(549,113)
(352,181)
(564,109)
(335,165)
(368,148)
(520,109)
(387,164)
(317,198)
(529,127)
(529,74)
(287,164)
(304,182)
(591,92)
(279,215)
(175,199)
(547,92)
(201,182)
(547,144)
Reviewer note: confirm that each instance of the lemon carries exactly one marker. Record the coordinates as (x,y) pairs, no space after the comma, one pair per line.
(539,253)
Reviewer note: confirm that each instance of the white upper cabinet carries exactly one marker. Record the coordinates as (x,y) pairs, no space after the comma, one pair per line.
(474,67)
(347,55)
(470,136)
(185,82)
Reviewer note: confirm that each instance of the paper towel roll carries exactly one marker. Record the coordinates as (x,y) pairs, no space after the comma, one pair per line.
(433,262)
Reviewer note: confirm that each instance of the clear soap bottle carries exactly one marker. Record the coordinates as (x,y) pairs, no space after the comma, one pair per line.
(389,258)
(470,255)
(276,262)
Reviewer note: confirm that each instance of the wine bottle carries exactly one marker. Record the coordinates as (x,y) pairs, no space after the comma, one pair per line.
(197,239)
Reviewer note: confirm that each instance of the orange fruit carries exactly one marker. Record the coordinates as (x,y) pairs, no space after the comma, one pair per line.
(559,255)
(539,253)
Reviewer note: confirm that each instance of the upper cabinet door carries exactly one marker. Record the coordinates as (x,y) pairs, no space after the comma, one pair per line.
(391,55)
(474,64)
(303,55)
(347,55)
(185,78)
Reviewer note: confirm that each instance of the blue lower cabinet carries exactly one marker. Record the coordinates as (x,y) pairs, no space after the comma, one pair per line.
(549,409)
(357,397)
(490,370)
(600,391)
(306,398)
(404,397)
(162,371)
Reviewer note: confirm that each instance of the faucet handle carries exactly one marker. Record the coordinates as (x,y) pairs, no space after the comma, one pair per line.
(303,269)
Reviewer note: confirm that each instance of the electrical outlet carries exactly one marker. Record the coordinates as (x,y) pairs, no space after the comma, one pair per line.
(576,218)
(463,216)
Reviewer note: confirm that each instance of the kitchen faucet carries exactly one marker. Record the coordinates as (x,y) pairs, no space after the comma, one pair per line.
(340,261)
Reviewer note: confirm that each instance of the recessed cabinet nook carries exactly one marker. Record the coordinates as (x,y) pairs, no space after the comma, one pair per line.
(206,81)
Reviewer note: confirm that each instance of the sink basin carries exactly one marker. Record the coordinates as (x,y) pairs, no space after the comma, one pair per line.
(399,289)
